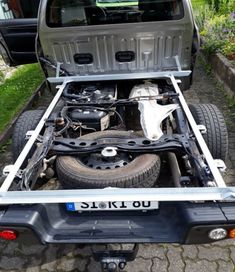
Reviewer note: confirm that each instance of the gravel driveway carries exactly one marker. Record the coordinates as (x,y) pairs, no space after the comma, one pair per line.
(28,255)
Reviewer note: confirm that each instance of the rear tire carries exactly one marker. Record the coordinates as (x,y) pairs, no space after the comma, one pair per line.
(216,137)
(185,83)
(142,171)
(27,121)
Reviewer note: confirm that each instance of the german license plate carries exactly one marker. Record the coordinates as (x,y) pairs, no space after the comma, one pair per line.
(112,206)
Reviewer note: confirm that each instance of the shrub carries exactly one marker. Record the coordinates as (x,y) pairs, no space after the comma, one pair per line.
(216,22)
(219,35)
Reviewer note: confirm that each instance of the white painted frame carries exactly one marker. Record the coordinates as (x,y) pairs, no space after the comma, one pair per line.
(220,192)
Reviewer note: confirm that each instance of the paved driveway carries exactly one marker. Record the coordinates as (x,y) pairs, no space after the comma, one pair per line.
(27,255)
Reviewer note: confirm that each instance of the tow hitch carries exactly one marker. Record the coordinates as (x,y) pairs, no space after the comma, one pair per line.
(115,260)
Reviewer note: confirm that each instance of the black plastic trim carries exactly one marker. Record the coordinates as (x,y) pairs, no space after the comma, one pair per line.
(184,223)
(83,58)
(125,56)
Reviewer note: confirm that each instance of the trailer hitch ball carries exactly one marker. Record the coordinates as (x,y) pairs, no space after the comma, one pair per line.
(114,265)
(111,267)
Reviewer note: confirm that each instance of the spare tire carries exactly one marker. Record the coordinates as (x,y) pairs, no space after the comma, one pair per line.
(81,172)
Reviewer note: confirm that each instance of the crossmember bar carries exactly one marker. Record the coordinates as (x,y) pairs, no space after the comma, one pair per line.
(125,76)
(116,194)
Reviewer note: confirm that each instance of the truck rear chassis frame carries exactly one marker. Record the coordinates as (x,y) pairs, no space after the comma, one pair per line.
(218,192)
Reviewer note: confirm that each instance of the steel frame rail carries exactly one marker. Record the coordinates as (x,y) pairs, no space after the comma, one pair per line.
(221,192)
(124,76)
(115,194)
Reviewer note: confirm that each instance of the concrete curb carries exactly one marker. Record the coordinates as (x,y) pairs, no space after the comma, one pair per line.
(6,134)
(224,72)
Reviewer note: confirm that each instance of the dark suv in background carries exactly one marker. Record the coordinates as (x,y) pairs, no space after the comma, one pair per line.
(18,23)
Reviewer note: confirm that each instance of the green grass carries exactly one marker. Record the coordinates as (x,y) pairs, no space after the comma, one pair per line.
(198,4)
(5,146)
(16,90)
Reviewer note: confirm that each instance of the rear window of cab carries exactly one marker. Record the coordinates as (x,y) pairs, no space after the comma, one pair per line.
(65,13)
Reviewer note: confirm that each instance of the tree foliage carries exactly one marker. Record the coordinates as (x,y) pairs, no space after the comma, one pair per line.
(222,6)
(216,22)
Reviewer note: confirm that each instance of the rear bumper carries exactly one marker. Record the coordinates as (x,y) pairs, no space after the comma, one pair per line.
(184,223)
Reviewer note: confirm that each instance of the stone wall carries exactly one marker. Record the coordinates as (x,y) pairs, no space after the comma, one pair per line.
(224,71)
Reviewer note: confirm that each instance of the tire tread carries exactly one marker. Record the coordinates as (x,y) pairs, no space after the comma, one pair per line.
(217,136)
(28,120)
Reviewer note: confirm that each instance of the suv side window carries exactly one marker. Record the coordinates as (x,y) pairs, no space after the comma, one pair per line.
(16,9)
(63,13)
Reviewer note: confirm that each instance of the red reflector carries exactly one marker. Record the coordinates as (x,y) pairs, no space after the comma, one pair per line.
(8,234)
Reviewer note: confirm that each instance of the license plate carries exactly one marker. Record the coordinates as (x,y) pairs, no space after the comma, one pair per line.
(112,206)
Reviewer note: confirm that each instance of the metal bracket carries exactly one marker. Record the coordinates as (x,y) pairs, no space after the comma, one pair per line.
(169,82)
(8,168)
(229,196)
(30,133)
(58,65)
(177,61)
(202,129)
(46,165)
(220,165)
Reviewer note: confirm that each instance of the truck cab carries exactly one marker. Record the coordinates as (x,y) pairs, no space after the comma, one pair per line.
(104,37)
(111,37)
